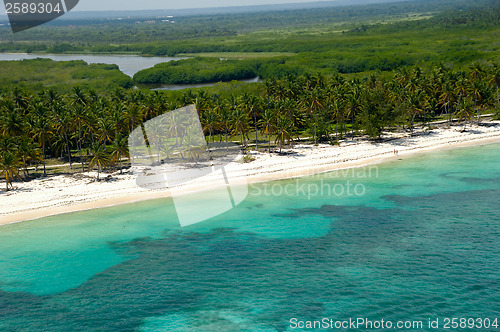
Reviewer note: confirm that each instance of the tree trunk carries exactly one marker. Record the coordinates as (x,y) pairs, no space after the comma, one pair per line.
(69,150)
(43,151)
(447,113)
(269,142)
(352,123)
(337,129)
(80,145)
(255,126)
(477,109)
(315,121)
(242,139)
(25,167)
(498,99)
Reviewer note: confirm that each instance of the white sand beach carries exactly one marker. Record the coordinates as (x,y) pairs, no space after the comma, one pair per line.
(60,194)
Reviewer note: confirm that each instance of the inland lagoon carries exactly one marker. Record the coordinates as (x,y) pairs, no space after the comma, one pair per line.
(417,241)
(128,64)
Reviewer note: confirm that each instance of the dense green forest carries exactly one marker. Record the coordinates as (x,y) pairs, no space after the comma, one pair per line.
(324,79)
(354,39)
(248,30)
(197,70)
(458,37)
(454,37)
(40,73)
(90,129)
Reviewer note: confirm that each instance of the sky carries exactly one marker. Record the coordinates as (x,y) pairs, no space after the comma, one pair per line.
(98,5)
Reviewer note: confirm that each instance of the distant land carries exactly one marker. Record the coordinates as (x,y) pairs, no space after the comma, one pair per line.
(85,15)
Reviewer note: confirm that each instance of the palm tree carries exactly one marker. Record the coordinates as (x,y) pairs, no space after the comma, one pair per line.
(271,86)
(12,124)
(224,116)
(201,101)
(9,168)
(118,119)
(79,117)
(465,110)
(338,106)
(289,107)
(239,123)
(151,105)
(7,144)
(353,101)
(119,95)
(283,131)
(314,101)
(104,130)
(100,158)
(476,71)
(476,90)
(134,115)
(119,149)
(94,114)
(42,132)
(476,75)
(447,98)
(494,79)
(193,144)
(176,126)
(462,86)
(157,134)
(52,96)
(21,100)
(416,102)
(209,121)
(251,104)
(414,79)
(62,122)
(298,118)
(78,97)
(27,151)
(187,98)
(266,123)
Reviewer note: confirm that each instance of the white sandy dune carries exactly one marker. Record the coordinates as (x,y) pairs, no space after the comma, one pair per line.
(59,194)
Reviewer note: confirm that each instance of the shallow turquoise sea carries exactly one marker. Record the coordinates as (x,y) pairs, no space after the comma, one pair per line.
(414,239)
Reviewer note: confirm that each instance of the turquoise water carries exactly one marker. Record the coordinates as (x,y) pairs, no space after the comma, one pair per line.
(414,239)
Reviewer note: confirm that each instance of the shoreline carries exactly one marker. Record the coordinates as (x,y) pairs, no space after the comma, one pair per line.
(62,194)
